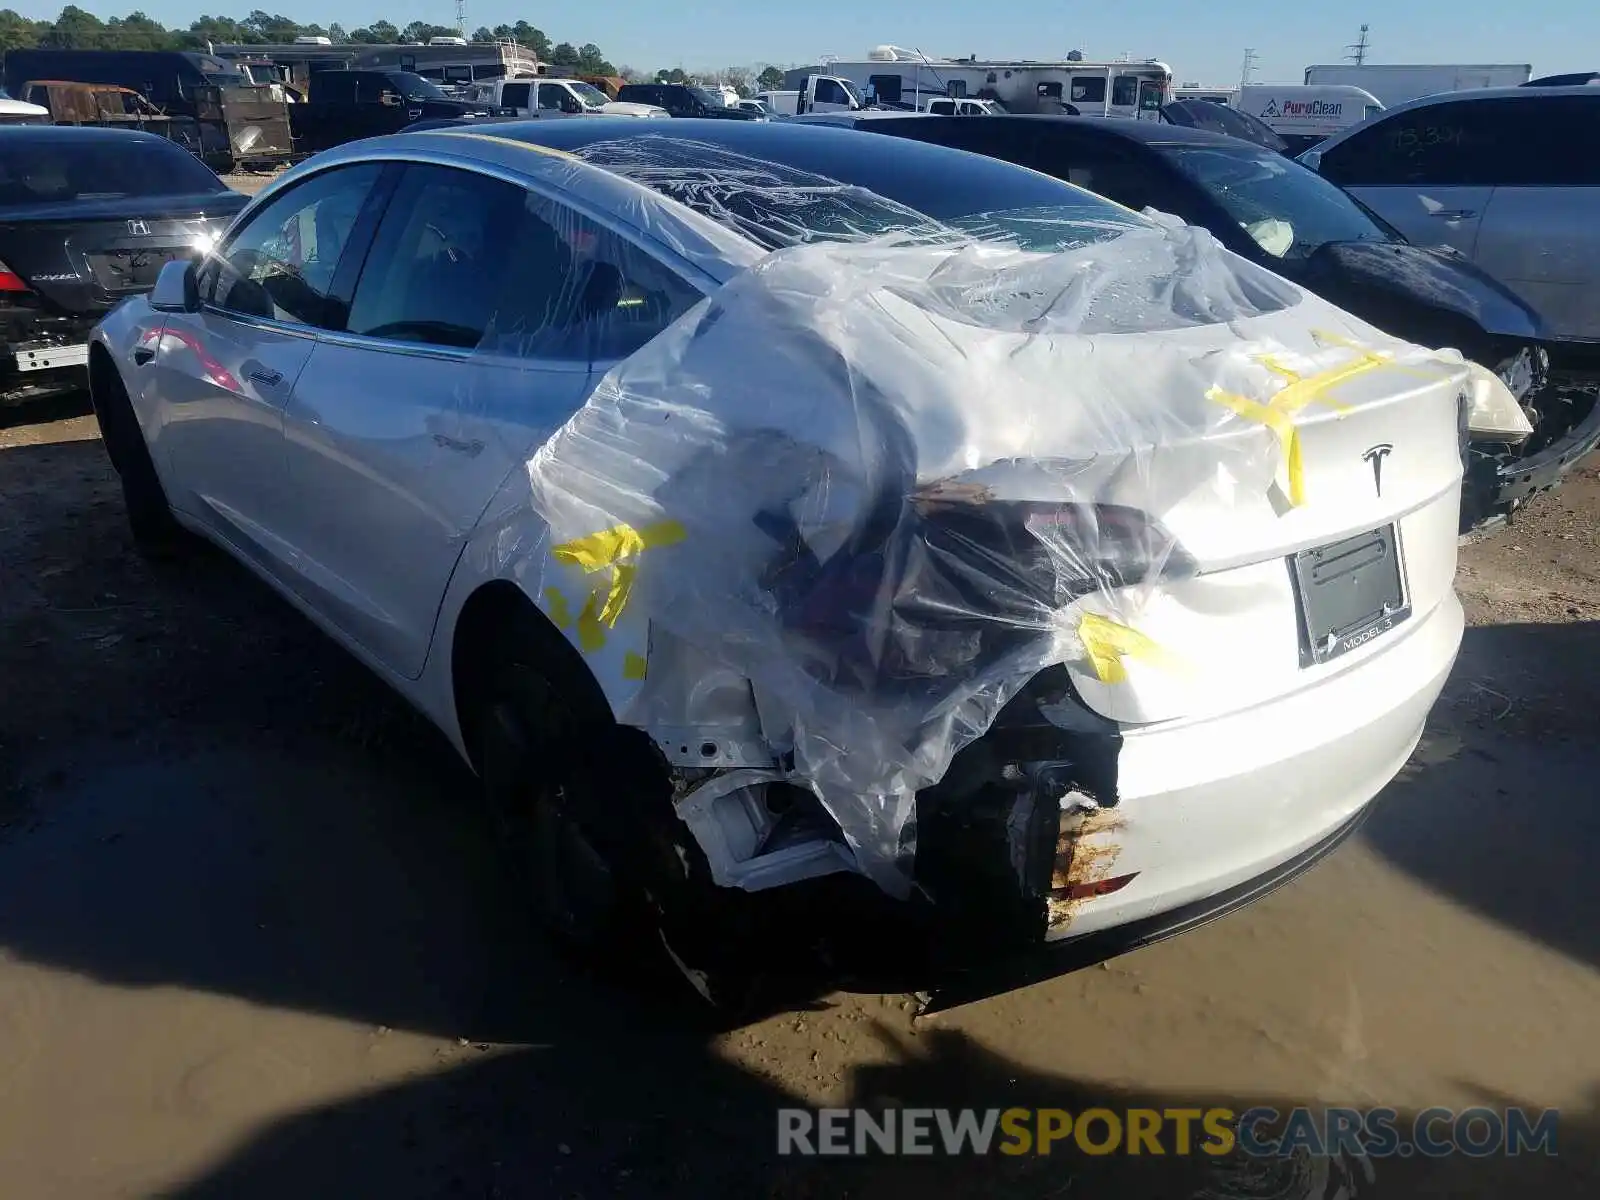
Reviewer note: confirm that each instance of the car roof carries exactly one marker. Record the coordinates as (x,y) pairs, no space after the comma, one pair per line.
(600,163)
(1526,94)
(849,119)
(1149,133)
(46,134)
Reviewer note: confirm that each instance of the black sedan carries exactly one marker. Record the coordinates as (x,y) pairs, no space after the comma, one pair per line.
(1289,219)
(88,217)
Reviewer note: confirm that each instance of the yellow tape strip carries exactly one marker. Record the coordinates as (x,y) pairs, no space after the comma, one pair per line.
(1108,643)
(602,549)
(1277,413)
(599,552)
(556,603)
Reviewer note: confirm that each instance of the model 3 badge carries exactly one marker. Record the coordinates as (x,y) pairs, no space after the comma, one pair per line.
(138,229)
(1375,456)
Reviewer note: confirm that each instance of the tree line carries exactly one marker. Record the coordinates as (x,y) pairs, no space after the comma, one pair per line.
(76,29)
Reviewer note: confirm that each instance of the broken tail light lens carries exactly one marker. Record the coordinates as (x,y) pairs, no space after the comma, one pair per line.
(952,588)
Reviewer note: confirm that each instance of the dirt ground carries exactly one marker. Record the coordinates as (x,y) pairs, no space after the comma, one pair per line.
(252,940)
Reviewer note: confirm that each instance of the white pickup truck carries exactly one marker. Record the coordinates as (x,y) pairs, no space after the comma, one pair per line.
(549,98)
(961,106)
(822,93)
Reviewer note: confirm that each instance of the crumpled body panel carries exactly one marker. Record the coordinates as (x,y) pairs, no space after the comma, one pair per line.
(887,482)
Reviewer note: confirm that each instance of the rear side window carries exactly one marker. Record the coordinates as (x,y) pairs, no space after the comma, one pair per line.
(473,263)
(1508,142)
(60,170)
(335,87)
(281,265)
(515,95)
(1125,91)
(1088,91)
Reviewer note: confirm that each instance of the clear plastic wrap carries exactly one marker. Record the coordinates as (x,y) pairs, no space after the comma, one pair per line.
(888,480)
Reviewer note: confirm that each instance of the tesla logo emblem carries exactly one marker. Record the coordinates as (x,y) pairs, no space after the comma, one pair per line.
(1375,456)
(138,229)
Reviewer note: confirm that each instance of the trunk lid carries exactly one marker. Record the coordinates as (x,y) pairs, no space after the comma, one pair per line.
(88,258)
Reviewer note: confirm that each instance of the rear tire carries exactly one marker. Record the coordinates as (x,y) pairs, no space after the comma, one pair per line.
(531,738)
(156,533)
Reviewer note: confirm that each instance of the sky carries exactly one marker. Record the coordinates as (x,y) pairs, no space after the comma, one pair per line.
(1203,42)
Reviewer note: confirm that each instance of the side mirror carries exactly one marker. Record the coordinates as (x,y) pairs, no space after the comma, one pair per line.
(177,288)
(391,99)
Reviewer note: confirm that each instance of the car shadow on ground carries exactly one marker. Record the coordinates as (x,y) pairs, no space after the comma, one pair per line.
(650,1115)
(1497,811)
(49,408)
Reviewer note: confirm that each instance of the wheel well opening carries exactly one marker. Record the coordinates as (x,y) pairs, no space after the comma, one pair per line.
(102,372)
(493,615)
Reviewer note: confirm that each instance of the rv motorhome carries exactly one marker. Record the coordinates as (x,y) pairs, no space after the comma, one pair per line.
(894,77)
(453,62)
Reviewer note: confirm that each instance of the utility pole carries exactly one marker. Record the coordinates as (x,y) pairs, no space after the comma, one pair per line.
(461,17)
(1357,50)
(1249,67)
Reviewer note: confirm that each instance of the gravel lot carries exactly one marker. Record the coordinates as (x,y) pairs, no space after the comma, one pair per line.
(252,941)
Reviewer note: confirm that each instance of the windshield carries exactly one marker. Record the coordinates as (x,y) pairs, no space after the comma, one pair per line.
(701,94)
(227,79)
(99,169)
(1289,211)
(589,94)
(415,87)
(863,195)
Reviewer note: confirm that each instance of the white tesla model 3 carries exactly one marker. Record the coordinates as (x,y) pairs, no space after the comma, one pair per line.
(811,537)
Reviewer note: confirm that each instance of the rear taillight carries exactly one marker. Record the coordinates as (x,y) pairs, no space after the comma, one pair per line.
(946,589)
(10,281)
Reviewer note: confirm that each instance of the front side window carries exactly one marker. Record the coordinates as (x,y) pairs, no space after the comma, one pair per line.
(281,265)
(553,96)
(1288,211)
(464,261)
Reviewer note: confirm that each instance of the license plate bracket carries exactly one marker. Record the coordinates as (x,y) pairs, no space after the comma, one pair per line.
(1349,592)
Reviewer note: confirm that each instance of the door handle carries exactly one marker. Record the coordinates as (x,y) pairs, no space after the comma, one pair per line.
(142,355)
(265,377)
(471,449)
(1454,214)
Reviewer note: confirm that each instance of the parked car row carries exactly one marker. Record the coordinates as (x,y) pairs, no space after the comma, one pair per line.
(994,580)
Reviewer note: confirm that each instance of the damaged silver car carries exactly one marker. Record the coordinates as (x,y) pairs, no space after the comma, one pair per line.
(820,543)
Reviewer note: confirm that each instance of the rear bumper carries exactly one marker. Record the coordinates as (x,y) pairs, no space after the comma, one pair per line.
(1216,813)
(1508,485)
(1540,472)
(46,358)
(1062,958)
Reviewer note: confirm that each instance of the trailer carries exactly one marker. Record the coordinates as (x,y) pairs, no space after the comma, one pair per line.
(1395,83)
(894,77)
